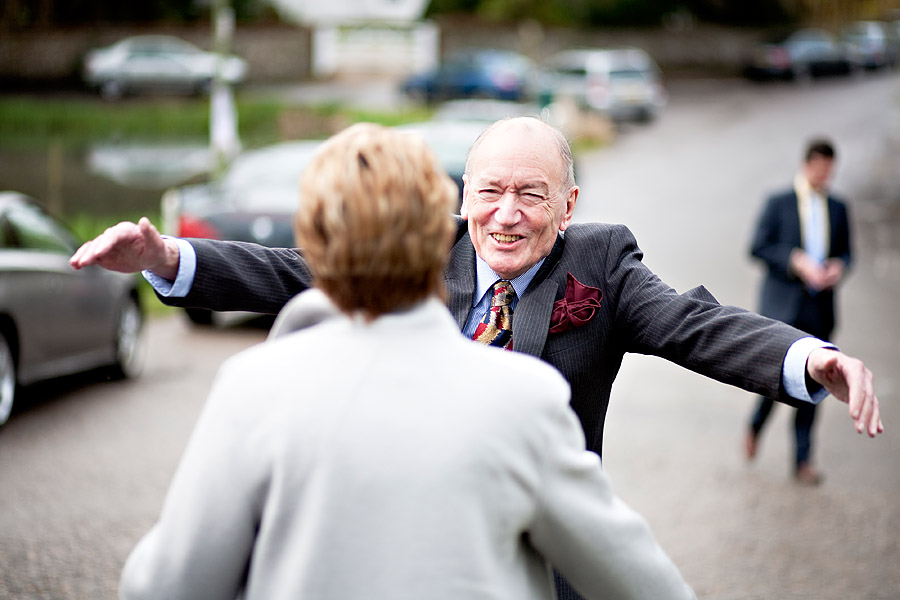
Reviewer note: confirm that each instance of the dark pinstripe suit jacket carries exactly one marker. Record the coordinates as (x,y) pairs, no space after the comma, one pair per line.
(783,295)
(639,313)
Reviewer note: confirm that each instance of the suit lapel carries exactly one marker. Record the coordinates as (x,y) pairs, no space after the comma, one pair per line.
(460,278)
(793,220)
(531,319)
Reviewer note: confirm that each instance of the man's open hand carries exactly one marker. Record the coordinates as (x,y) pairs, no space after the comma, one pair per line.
(848,380)
(129,248)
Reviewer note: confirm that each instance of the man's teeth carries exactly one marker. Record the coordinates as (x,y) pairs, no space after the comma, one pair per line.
(505,238)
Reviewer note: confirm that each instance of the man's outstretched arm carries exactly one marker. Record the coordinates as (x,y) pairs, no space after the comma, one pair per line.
(200,273)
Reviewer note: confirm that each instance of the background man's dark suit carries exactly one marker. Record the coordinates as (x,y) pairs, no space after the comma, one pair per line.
(638,313)
(785,297)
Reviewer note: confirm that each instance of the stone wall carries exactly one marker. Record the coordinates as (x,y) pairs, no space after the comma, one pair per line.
(282,53)
(275,53)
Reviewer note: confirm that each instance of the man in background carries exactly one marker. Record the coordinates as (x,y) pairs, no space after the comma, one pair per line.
(803,238)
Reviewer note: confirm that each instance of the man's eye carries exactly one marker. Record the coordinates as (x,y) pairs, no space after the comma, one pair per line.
(489,193)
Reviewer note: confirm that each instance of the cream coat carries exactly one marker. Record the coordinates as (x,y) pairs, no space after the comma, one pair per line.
(391,460)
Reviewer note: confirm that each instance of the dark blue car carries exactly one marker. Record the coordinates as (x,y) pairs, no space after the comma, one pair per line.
(474,73)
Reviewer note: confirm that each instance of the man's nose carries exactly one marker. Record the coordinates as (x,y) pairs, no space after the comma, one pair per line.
(507,212)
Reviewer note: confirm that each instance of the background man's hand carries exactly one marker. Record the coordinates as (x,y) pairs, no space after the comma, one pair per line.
(808,270)
(834,272)
(848,380)
(129,248)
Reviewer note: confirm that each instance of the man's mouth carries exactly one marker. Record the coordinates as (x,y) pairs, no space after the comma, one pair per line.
(505,238)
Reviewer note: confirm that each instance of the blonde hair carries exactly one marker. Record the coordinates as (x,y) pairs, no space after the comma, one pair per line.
(374,221)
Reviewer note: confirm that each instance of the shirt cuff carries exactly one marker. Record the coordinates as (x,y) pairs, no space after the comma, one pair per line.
(187,267)
(793,372)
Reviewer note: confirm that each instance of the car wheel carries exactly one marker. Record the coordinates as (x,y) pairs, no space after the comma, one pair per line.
(112,90)
(129,347)
(199,316)
(803,74)
(7,379)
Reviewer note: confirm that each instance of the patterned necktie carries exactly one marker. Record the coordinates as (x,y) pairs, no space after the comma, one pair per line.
(495,328)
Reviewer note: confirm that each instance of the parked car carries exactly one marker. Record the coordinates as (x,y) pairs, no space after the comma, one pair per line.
(54,320)
(157,63)
(799,55)
(624,84)
(872,42)
(254,200)
(450,139)
(474,73)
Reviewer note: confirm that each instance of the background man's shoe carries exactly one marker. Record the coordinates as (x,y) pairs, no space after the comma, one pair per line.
(806,475)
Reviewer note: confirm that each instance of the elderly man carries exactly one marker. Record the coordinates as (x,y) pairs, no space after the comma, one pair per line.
(521,275)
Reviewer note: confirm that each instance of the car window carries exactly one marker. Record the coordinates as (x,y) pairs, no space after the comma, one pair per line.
(8,237)
(32,229)
(162,46)
(629,75)
(571,71)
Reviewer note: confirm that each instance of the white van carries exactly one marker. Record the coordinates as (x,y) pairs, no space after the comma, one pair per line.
(624,83)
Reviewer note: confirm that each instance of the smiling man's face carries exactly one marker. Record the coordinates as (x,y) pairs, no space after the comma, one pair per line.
(516,196)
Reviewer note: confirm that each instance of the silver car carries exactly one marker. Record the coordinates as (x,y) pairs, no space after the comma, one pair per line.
(158,63)
(54,320)
(624,84)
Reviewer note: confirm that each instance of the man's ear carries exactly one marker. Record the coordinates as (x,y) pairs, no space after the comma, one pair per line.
(570,208)
(464,208)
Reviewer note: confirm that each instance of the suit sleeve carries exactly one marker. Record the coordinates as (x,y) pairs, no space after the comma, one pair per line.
(841,240)
(244,276)
(597,542)
(249,277)
(727,343)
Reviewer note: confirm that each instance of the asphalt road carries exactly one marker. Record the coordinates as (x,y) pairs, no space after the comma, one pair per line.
(85,464)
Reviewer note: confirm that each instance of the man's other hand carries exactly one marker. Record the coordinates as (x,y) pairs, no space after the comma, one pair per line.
(848,380)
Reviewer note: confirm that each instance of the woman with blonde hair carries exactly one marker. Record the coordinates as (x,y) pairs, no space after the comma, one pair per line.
(369,451)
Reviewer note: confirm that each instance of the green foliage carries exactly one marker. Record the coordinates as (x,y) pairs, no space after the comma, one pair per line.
(20,14)
(605,13)
(30,122)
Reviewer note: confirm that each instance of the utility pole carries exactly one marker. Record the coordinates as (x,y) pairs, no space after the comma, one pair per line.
(223,134)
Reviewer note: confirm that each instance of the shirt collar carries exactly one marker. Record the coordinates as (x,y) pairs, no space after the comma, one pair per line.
(806,192)
(486,277)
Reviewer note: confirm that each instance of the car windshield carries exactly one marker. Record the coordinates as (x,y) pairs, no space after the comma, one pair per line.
(32,229)
(162,45)
(268,178)
(629,75)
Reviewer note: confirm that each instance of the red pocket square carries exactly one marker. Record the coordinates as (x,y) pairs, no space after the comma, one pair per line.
(577,307)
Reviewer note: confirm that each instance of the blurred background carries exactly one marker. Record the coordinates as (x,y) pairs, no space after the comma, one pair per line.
(201,114)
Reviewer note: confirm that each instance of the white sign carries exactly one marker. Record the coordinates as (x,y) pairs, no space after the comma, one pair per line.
(375,48)
(337,11)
